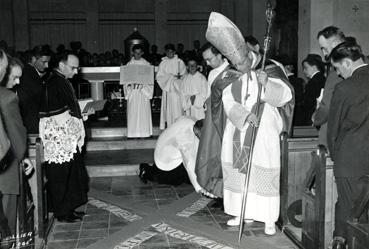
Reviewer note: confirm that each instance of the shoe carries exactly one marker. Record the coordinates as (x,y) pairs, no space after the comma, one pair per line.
(338,243)
(70,218)
(79,213)
(236,221)
(270,229)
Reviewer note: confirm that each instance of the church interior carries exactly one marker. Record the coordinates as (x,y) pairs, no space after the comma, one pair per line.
(125,208)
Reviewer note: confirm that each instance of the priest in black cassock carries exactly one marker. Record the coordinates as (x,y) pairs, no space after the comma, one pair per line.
(62,133)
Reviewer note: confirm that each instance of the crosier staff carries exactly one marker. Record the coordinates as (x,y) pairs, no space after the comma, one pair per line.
(267,39)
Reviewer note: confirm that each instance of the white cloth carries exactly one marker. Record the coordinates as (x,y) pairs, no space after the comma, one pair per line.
(139,120)
(213,74)
(61,135)
(171,104)
(194,85)
(178,144)
(263,195)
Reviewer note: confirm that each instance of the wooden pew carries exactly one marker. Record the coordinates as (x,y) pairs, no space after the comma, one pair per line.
(318,201)
(43,221)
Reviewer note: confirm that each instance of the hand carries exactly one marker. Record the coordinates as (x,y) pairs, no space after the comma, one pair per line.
(27,166)
(262,77)
(252,120)
(192,98)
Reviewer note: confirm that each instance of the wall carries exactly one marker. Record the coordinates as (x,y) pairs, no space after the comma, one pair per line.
(104,24)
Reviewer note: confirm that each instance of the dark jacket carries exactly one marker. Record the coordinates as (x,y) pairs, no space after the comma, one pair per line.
(348,125)
(29,93)
(312,92)
(9,111)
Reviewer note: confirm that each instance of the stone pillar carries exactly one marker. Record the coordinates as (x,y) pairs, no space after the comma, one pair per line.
(92,25)
(161,26)
(21,25)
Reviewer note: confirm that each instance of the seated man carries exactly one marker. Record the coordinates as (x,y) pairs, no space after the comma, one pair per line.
(178,144)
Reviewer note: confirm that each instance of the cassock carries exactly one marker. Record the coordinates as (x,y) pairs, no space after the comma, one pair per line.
(194,85)
(139,121)
(63,134)
(171,104)
(178,144)
(239,100)
(30,94)
(208,163)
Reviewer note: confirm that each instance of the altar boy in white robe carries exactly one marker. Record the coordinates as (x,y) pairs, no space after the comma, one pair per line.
(169,77)
(239,100)
(138,95)
(194,89)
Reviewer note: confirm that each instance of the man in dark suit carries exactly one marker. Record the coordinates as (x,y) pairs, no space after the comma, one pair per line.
(348,131)
(30,88)
(328,38)
(16,132)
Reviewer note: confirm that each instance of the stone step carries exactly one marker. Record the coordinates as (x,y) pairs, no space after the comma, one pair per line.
(117,162)
(114,132)
(120,143)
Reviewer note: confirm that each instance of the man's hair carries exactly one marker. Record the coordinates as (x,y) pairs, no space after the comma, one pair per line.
(210,46)
(252,40)
(331,31)
(136,47)
(315,60)
(348,50)
(40,51)
(169,46)
(12,62)
(62,57)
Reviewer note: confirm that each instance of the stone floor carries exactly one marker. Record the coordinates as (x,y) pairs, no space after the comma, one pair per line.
(123,212)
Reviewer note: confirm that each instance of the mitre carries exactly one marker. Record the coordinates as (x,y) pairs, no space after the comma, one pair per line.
(223,34)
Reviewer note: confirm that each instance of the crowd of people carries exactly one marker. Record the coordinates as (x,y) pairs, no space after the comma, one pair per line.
(209,122)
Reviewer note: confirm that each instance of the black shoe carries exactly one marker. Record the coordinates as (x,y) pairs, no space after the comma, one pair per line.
(79,213)
(70,218)
(218,203)
(338,243)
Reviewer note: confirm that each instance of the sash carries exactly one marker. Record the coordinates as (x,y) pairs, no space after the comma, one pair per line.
(217,110)
(241,151)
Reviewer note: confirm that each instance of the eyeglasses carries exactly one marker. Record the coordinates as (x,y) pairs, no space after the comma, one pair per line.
(73,68)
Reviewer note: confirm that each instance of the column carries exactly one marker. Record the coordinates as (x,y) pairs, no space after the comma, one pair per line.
(161,27)
(21,25)
(92,25)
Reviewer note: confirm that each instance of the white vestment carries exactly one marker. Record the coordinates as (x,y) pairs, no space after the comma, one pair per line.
(171,104)
(194,85)
(139,122)
(263,195)
(178,144)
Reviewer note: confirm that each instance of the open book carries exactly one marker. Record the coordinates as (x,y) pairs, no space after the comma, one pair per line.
(86,104)
(137,74)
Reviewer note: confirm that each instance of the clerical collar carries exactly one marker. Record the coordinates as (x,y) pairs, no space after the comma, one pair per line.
(38,72)
(59,73)
(314,74)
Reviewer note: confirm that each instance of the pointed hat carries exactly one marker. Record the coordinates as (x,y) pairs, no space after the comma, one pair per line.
(223,34)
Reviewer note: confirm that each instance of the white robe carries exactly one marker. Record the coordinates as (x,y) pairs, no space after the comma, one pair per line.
(178,144)
(139,121)
(194,85)
(263,195)
(171,104)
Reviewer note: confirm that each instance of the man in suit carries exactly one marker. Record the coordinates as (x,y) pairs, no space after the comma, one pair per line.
(16,132)
(30,88)
(348,132)
(328,38)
